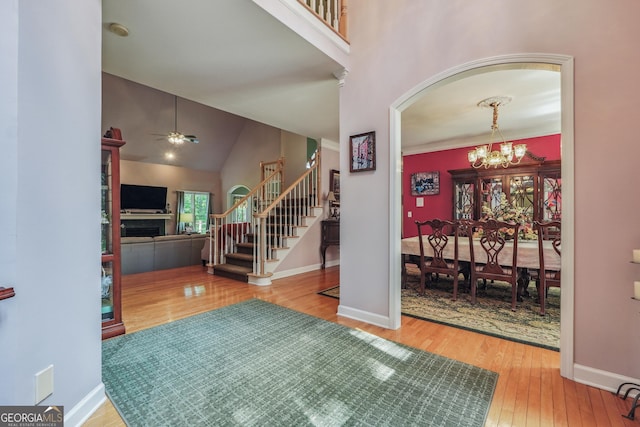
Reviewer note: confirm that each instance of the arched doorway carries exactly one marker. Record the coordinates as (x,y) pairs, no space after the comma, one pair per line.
(236,193)
(565,64)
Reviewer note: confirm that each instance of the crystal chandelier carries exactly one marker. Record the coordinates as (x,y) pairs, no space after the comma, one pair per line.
(483,155)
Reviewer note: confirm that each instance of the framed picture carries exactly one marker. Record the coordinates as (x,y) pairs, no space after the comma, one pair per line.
(363,152)
(334,184)
(425,183)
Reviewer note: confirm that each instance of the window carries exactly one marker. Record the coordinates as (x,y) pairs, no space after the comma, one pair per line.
(193,214)
(241,213)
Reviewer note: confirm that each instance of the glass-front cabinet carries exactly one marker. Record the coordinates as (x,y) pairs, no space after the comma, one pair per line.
(534,188)
(110,231)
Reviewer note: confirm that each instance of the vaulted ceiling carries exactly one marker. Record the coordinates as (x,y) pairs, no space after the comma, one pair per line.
(236,57)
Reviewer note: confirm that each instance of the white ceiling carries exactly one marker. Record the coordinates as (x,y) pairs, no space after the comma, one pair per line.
(234,56)
(447,114)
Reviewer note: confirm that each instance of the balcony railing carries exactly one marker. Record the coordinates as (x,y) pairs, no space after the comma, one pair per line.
(331,12)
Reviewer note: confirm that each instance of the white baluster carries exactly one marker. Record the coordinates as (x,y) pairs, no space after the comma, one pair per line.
(321,9)
(312,5)
(336,15)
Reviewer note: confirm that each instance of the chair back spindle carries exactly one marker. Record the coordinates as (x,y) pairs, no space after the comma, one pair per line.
(549,232)
(437,234)
(490,262)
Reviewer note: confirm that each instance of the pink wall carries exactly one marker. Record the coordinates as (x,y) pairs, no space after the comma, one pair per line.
(440,206)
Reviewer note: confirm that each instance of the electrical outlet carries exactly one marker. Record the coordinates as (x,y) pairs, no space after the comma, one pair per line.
(409,214)
(44,384)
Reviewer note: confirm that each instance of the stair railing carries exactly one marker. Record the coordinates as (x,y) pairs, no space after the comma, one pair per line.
(230,228)
(332,12)
(279,220)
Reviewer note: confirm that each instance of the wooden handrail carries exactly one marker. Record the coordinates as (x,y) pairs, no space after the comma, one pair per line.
(250,194)
(6,293)
(285,193)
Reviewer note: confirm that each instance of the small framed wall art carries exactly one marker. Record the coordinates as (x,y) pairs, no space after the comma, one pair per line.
(425,183)
(363,152)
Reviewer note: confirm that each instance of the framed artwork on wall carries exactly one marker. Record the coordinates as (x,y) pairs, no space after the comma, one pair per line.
(334,184)
(425,183)
(363,152)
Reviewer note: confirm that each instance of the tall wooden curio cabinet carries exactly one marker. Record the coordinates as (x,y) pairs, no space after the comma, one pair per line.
(536,188)
(110,275)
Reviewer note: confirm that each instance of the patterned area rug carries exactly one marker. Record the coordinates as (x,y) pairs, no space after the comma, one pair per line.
(259,364)
(491,315)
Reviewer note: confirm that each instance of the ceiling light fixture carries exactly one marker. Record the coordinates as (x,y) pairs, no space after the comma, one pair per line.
(483,155)
(118,29)
(175,137)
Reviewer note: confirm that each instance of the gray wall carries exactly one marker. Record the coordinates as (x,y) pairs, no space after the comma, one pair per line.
(49,122)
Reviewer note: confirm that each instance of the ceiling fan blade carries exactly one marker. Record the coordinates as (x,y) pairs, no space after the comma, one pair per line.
(192,138)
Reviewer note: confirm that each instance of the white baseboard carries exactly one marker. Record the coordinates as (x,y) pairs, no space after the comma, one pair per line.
(364,316)
(601,379)
(80,413)
(300,270)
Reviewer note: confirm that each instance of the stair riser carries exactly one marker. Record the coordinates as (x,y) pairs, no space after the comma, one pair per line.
(233,276)
(244,250)
(239,262)
(274,241)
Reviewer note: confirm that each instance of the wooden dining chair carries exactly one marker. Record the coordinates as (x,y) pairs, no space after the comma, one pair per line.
(490,259)
(434,236)
(547,231)
(464,227)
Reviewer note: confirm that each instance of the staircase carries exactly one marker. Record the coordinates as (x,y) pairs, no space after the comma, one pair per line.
(250,251)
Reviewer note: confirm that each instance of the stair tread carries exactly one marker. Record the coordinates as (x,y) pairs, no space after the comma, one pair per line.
(233,268)
(244,257)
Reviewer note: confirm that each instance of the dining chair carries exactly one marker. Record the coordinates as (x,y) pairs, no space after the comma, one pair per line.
(438,234)
(464,227)
(490,258)
(548,231)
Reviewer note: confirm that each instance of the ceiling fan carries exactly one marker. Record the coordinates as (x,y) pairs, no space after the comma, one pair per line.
(175,137)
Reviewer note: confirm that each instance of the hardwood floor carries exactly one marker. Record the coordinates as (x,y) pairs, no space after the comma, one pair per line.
(530,391)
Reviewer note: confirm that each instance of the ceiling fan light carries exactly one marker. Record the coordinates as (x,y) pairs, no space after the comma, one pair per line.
(175,138)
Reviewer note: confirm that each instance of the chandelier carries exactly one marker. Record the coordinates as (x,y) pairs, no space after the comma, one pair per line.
(484,155)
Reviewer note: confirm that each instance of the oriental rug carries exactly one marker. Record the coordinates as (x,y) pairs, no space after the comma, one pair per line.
(491,315)
(259,364)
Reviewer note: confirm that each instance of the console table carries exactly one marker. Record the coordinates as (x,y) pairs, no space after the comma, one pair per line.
(330,236)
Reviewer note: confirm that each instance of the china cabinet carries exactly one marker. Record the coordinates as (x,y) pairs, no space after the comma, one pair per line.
(536,188)
(110,223)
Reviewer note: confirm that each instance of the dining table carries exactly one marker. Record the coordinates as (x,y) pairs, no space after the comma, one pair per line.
(527,258)
(527,252)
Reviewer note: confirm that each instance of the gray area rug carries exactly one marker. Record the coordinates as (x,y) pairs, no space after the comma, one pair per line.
(491,315)
(259,364)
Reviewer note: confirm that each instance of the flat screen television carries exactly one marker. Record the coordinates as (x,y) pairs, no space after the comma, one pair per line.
(142,197)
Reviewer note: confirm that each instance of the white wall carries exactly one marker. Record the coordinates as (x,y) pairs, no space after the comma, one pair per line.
(397,45)
(175,179)
(305,255)
(257,142)
(294,150)
(54,243)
